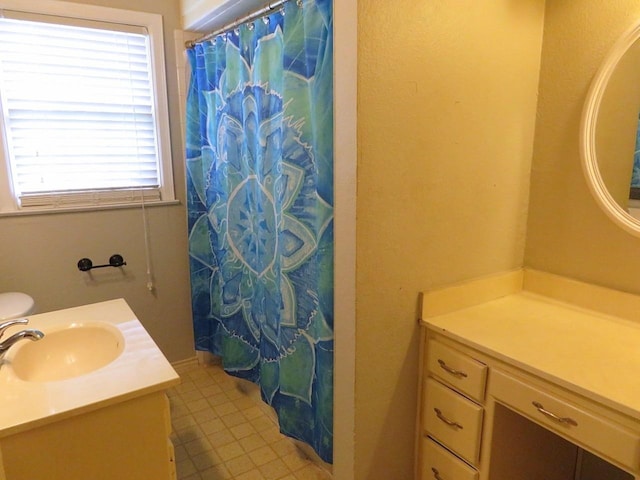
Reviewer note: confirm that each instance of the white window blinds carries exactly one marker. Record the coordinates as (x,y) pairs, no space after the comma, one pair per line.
(78,107)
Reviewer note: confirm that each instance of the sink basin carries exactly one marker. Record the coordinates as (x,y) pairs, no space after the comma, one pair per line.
(70,352)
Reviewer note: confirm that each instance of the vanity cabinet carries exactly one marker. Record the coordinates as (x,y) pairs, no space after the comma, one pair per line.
(108,422)
(127,440)
(453,412)
(516,385)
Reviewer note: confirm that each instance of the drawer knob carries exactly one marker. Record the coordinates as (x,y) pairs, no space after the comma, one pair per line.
(553,416)
(452,371)
(436,473)
(451,423)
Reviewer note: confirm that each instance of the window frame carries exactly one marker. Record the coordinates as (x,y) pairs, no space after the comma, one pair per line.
(152,22)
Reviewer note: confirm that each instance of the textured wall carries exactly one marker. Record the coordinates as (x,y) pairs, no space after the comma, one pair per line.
(446,113)
(567,232)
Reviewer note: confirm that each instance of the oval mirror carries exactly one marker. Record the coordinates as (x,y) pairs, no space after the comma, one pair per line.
(609,133)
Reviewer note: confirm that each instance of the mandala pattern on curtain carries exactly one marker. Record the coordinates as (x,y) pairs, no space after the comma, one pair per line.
(260,210)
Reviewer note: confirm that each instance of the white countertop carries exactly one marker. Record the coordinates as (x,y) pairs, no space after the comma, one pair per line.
(140,369)
(584,350)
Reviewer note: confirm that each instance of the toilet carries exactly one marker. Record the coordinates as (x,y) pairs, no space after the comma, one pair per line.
(15,305)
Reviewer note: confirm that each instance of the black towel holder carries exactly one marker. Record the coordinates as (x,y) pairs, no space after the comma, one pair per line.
(85,264)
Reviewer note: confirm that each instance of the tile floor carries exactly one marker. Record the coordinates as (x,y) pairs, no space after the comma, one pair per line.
(222,431)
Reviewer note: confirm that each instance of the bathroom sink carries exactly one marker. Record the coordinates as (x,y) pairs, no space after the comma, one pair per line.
(75,350)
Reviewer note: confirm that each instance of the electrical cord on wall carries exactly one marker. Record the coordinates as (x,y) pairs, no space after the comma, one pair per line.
(150,285)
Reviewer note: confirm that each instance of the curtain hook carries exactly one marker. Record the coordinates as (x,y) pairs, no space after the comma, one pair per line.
(299,3)
(282,12)
(265,20)
(250,26)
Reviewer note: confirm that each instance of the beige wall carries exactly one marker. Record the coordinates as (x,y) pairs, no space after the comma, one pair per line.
(38,253)
(446,112)
(567,232)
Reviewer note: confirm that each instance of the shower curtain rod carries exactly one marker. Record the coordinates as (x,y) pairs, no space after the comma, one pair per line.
(239,21)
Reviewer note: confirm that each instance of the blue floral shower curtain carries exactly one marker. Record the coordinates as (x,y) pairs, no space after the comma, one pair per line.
(260,210)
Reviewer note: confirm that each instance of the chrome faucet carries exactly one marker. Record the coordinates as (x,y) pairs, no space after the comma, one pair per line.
(31,334)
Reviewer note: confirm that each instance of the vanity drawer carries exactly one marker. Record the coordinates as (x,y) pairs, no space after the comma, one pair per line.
(597,434)
(457,369)
(440,464)
(453,420)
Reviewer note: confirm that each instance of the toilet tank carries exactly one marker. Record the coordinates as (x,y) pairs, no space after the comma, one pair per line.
(15,305)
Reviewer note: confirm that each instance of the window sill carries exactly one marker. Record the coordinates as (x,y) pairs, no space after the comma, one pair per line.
(86,208)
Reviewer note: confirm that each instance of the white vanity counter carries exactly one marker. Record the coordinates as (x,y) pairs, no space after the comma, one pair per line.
(140,369)
(525,342)
(590,353)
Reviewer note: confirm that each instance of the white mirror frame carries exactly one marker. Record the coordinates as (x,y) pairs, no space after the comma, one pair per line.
(588,134)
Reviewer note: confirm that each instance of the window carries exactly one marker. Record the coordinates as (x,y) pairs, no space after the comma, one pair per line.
(84,109)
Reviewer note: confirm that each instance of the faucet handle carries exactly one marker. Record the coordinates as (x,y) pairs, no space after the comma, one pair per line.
(9,323)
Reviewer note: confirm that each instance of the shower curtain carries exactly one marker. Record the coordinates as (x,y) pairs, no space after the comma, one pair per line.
(635,172)
(260,210)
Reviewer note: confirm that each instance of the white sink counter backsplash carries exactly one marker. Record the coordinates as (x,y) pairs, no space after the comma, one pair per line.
(140,369)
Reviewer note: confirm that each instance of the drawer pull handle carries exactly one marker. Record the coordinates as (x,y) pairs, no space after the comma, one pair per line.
(451,423)
(452,371)
(553,416)
(436,473)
